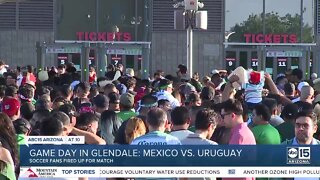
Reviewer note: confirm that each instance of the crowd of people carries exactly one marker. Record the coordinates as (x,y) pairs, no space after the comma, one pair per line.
(121,108)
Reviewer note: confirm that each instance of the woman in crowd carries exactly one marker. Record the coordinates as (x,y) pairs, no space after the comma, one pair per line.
(8,139)
(6,165)
(135,128)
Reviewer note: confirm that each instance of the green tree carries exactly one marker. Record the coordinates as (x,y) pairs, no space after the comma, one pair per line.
(275,24)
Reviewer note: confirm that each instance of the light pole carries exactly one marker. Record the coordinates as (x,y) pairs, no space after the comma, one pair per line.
(189,42)
(227,36)
(194,19)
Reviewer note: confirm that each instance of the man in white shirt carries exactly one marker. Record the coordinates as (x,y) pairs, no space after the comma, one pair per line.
(166,89)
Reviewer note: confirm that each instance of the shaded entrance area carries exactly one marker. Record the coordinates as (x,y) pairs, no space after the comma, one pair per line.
(99,53)
(271,58)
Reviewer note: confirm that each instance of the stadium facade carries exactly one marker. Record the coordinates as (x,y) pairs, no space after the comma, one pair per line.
(225,44)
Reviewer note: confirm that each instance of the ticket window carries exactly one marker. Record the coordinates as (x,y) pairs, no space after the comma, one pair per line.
(62,58)
(254,60)
(244,59)
(130,61)
(269,65)
(282,65)
(230,60)
(116,59)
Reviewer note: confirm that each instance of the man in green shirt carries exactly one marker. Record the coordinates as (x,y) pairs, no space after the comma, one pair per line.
(126,106)
(263,132)
(286,129)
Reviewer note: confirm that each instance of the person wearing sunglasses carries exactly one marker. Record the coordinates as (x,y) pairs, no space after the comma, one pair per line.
(231,113)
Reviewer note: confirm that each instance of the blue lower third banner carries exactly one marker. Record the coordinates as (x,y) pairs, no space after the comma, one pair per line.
(166,156)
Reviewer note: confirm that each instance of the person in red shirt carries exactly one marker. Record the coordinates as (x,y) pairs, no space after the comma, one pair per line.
(28,76)
(92,75)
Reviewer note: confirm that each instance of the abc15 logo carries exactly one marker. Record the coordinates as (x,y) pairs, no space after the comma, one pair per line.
(299,152)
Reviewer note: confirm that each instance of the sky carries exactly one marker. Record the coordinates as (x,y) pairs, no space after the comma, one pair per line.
(239,10)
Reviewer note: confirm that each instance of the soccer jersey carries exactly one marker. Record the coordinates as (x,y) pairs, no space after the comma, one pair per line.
(156,138)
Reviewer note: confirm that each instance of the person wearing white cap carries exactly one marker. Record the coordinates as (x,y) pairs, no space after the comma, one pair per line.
(314,76)
(216,79)
(299,87)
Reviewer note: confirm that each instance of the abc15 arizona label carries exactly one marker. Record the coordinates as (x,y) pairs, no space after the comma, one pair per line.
(298,155)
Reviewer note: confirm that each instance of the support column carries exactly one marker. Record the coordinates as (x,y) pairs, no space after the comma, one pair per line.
(307,75)
(261,61)
(145,61)
(275,67)
(315,59)
(249,59)
(237,58)
(190,50)
(302,64)
(69,58)
(85,62)
(289,63)
(100,60)
(41,53)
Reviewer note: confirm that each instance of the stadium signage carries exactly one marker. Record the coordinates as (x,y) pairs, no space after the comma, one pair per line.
(103,36)
(270,38)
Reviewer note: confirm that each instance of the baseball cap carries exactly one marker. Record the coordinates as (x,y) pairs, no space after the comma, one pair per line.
(21,126)
(30,84)
(101,101)
(255,77)
(10,106)
(213,72)
(121,88)
(127,99)
(301,84)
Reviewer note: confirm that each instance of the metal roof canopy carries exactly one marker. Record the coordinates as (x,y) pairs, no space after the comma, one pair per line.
(101,49)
